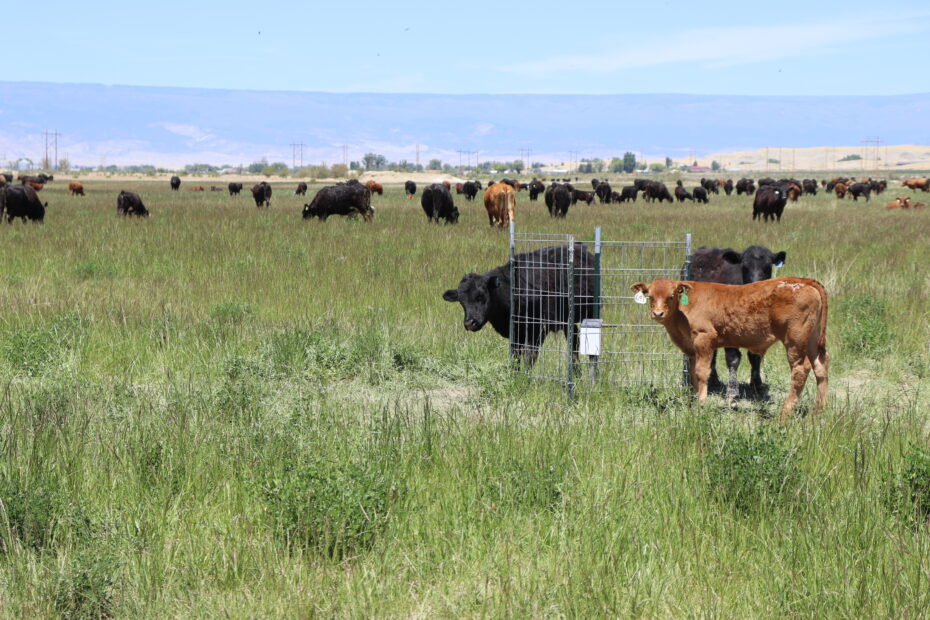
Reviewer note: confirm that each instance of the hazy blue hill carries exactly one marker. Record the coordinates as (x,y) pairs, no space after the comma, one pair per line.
(129,124)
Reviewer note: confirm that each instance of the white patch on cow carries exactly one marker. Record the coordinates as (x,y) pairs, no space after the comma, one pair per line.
(794,286)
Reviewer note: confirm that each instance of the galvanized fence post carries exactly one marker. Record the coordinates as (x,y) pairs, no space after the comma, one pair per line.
(686,370)
(513,283)
(570,328)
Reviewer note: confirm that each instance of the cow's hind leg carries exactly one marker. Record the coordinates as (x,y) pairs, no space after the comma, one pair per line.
(821,365)
(800,363)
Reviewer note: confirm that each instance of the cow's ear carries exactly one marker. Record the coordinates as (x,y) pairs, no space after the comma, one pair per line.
(779,259)
(640,287)
(733,257)
(683,288)
(451,295)
(494,282)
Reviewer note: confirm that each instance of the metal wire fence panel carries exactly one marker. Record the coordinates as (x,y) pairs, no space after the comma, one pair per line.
(566,291)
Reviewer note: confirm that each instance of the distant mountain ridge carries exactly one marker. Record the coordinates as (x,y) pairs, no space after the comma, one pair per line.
(174,126)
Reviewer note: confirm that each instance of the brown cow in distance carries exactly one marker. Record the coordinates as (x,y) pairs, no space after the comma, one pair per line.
(701,317)
(375,188)
(75,188)
(918,183)
(840,189)
(34,185)
(500,201)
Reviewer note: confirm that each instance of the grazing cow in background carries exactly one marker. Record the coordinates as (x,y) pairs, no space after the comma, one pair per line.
(586,197)
(195,188)
(745,186)
(603,191)
(536,187)
(341,199)
(860,189)
(34,185)
(794,192)
(681,193)
(711,185)
(448,185)
(458,188)
(628,192)
(558,199)
(700,195)
(216,188)
(654,190)
(728,187)
(840,189)
(470,189)
(301,189)
(769,202)
(701,317)
(543,298)
(918,183)
(21,201)
(437,204)
(375,188)
(809,186)
(175,183)
(410,189)
(129,203)
(75,188)
(725,266)
(261,193)
(234,189)
(500,201)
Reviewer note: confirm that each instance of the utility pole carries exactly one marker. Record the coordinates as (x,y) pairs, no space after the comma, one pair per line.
(418,157)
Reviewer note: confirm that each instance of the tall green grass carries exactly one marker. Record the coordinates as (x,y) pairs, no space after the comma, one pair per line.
(221,410)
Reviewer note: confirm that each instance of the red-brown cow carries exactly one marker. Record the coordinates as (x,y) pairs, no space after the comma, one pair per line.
(701,317)
(75,188)
(500,201)
(375,188)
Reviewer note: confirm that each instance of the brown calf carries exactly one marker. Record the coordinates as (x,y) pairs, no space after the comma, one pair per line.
(75,188)
(918,183)
(901,202)
(701,317)
(375,188)
(840,189)
(500,201)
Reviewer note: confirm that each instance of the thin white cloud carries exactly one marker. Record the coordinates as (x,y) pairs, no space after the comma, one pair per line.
(731,46)
(196,134)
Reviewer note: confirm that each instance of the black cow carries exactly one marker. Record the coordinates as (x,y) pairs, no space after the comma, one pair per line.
(681,193)
(8,177)
(726,266)
(603,191)
(540,300)
(234,189)
(711,185)
(594,184)
(537,187)
(640,184)
(586,197)
(655,190)
(745,186)
(341,199)
(700,195)
(558,199)
(261,193)
(175,183)
(129,203)
(770,202)
(410,189)
(437,204)
(470,189)
(628,193)
(301,189)
(860,189)
(21,201)
(809,186)
(511,182)
(728,187)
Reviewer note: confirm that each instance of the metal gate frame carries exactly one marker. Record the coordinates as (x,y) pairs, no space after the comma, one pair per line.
(598,380)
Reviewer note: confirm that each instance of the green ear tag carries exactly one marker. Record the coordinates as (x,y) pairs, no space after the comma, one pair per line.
(684,299)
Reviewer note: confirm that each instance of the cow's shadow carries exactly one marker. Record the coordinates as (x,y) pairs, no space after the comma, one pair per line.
(761,395)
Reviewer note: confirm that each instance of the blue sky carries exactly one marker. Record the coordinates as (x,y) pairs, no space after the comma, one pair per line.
(740,48)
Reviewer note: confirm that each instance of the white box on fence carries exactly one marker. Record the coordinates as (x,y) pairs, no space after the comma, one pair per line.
(590,337)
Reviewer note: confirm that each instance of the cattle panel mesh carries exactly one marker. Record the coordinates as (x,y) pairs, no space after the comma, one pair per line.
(564,290)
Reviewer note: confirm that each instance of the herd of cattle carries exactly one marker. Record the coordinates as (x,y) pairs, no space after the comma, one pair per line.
(352,198)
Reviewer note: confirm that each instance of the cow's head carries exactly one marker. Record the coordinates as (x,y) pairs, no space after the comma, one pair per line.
(454,215)
(309,211)
(476,294)
(664,297)
(755,262)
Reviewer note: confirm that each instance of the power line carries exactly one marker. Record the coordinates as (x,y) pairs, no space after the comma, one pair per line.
(295,148)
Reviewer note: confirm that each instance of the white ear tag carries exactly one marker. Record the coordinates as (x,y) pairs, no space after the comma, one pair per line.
(639,297)
(779,264)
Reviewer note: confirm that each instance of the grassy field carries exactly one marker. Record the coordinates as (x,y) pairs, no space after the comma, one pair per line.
(222,410)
